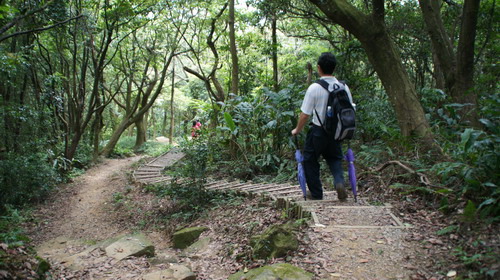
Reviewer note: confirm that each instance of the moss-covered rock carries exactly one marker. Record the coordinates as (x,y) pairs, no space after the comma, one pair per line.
(185,237)
(282,271)
(43,266)
(136,245)
(275,242)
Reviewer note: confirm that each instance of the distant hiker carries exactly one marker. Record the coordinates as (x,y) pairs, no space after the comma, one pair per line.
(195,129)
(318,142)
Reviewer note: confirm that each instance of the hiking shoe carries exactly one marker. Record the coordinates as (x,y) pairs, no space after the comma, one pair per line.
(310,197)
(341,192)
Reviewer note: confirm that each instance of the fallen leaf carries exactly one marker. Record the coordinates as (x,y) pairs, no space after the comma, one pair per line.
(435,241)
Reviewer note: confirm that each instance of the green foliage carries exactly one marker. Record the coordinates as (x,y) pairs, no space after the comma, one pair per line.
(25,178)
(153,148)
(375,118)
(479,259)
(192,199)
(470,211)
(257,131)
(124,147)
(474,171)
(447,230)
(197,156)
(11,232)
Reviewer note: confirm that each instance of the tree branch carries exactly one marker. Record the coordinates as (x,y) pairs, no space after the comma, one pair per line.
(10,24)
(378,10)
(38,29)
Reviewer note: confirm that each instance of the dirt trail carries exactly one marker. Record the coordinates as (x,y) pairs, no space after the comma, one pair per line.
(82,210)
(82,214)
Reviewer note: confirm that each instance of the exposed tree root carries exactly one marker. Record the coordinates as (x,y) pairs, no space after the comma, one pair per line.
(423,179)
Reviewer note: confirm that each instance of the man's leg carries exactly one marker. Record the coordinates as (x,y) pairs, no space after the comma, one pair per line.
(334,158)
(311,164)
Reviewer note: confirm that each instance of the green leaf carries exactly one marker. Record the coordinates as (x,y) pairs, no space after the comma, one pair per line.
(487,202)
(490,185)
(470,210)
(447,230)
(489,124)
(229,121)
(467,139)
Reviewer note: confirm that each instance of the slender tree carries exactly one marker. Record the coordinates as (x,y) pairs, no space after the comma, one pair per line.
(233,50)
(457,65)
(210,79)
(172,112)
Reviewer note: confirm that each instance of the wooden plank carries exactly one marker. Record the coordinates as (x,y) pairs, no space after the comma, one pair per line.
(159,180)
(366,227)
(147,171)
(148,176)
(278,192)
(247,186)
(152,169)
(316,220)
(226,186)
(211,183)
(358,207)
(258,187)
(281,190)
(396,219)
(155,165)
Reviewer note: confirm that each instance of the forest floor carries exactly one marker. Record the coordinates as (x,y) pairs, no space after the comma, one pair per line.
(103,203)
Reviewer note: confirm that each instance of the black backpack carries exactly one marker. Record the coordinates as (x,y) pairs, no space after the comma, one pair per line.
(340,114)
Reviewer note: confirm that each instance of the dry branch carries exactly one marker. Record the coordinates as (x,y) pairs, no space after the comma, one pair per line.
(423,179)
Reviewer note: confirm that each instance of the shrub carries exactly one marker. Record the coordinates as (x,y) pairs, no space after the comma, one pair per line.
(25,178)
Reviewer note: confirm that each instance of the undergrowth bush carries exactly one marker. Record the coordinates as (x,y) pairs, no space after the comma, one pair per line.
(255,130)
(25,178)
(191,199)
(10,227)
(473,172)
(154,149)
(124,147)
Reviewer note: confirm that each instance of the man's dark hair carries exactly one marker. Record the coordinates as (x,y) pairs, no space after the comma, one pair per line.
(327,62)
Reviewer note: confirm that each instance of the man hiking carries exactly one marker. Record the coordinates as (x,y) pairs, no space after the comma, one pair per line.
(318,142)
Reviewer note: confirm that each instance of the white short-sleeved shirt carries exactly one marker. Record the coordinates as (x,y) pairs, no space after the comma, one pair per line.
(316,98)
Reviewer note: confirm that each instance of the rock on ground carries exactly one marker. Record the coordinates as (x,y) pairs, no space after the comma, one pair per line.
(282,271)
(134,245)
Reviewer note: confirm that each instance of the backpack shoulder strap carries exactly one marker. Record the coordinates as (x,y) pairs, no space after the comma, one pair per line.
(326,85)
(323,83)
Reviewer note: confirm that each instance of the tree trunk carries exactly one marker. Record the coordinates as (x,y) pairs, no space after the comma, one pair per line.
(458,70)
(147,102)
(73,145)
(106,151)
(385,58)
(274,52)
(463,91)
(171,131)
(233,50)
(140,137)
(96,130)
(382,53)
(309,73)
(164,123)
